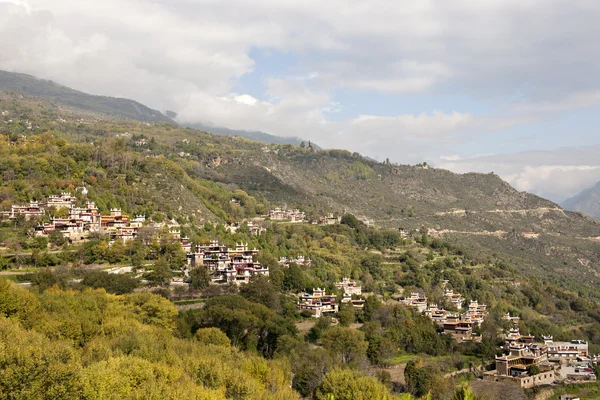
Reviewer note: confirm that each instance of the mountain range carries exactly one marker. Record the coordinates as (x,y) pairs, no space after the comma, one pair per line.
(588,202)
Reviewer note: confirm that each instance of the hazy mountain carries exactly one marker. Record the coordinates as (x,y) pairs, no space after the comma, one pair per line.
(112,106)
(587,202)
(257,136)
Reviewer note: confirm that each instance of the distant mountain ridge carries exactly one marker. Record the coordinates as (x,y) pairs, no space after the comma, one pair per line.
(588,202)
(112,106)
(118,108)
(256,136)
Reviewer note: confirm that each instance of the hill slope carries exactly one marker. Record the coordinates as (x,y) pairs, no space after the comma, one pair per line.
(201,171)
(587,202)
(481,212)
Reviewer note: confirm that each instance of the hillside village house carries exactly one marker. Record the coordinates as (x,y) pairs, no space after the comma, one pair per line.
(253,228)
(318,303)
(349,287)
(438,315)
(64,200)
(476,313)
(227,265)
(358,304)
(329,219)
(30,211)
(418,300)
(515,337)
(459,326)
(80,221)
(572,350)
(461,330)
(513,367)
(455,299)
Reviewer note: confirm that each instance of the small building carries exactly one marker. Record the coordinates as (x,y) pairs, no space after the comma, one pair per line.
(418,300)
(30,211)
(566,350)
(330,219)
(460,330)
(318,303)
(455,299)
(519,358)
(358,304)
(349,287)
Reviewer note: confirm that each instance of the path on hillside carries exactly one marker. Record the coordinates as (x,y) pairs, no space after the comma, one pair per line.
(525,211)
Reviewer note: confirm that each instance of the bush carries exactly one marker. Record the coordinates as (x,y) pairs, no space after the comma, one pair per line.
(212,336)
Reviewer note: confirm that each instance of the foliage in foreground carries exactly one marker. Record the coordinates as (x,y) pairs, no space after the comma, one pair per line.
(94,345)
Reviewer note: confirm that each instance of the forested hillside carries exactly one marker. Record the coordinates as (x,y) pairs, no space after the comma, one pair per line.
(83,333)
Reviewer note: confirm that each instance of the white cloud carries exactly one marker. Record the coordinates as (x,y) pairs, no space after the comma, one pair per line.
(451,158)
(556,175)
(485,48)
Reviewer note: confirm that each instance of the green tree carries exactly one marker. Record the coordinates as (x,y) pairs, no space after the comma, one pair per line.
(4,263)
(314,333)
(161,272)
(260,290)
(533,369)
(346,314)
(199,278)
(350,220)
(464,393)
(345,344)
(57,238)
(419,380)
(212,336)
(112,283)
(293,278)
(345,384)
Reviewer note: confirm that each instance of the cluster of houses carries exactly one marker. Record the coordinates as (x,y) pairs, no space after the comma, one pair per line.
(319,303)
(253,228)
(279,214)
(554,361)
(295,215)
(76,223)
(299,260)
(225,265)
(459,324)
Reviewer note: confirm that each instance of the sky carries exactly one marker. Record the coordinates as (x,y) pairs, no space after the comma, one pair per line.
(504,86)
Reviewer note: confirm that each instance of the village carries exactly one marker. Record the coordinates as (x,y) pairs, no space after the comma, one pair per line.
(224,265)
(77,223)
(525,362)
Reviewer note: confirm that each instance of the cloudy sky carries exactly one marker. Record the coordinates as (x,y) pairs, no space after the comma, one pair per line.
(509,86)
